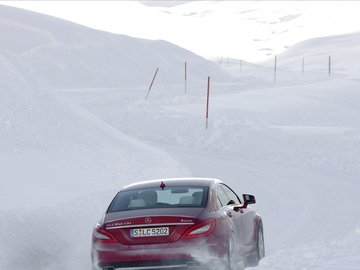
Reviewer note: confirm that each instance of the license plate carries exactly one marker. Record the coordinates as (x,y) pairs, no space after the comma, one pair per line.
(148,232)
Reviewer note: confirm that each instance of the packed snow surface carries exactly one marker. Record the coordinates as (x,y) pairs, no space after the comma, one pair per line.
(72,135)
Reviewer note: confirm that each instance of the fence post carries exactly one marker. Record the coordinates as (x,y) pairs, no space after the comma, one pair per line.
(207,102)
(275,68)
(147,95)
(329,65)
(185,77)
(303,65)
(220,61)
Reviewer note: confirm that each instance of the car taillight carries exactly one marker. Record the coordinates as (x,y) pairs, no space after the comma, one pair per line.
(101,235)
(202,229)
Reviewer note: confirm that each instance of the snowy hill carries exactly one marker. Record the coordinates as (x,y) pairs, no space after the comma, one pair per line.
(252,30)
(52,152)
(310,58)
(249,30)
(341,48)
(46,140)
(83,57)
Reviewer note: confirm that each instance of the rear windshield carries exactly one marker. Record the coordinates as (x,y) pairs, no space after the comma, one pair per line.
(170,197)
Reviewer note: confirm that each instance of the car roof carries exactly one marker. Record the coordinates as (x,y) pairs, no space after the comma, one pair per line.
(195,181)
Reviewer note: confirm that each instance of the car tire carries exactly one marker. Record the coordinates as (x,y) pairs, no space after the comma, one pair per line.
(260,245)
(255,258)
(231,255)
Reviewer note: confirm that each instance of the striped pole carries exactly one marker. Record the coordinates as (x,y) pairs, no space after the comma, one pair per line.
(185,77)
(207,102)
(147,95)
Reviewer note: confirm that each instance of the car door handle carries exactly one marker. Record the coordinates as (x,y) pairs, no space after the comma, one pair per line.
(229,214)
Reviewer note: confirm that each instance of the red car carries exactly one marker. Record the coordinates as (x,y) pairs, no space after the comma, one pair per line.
(189,223)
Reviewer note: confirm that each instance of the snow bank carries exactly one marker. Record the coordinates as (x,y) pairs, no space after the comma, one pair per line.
(316,52)
(82,57)
(52,153)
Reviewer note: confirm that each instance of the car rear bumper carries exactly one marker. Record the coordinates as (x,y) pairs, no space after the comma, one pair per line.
(150,264)
(174,265)
(176,255)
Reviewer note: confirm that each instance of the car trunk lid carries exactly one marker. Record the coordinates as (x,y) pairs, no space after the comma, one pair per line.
(151,226)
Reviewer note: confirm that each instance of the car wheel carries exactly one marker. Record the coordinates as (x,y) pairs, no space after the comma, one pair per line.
(259,253)
(231,256)
(260,246)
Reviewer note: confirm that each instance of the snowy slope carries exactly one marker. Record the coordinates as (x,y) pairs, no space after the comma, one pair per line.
(316,52)
(34,120)
(52,153)
(295,144)
(249,30)
(83,57)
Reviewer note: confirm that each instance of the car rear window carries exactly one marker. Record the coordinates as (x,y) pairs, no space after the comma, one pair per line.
(149,198)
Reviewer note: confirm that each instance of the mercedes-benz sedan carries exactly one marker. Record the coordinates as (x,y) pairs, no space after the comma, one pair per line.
(189,223)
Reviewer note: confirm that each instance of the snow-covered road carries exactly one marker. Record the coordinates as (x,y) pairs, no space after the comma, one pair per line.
(268,142)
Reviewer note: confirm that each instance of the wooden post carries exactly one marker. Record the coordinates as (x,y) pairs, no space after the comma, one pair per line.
(303,65)
(147,95)
(185,78)
(220,61)
(329,65)
(207,102)
(275,68)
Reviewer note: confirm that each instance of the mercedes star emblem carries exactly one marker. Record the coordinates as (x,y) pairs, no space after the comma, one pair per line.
(148,220)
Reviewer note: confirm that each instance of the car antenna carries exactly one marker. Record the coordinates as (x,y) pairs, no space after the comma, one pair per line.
(162,185)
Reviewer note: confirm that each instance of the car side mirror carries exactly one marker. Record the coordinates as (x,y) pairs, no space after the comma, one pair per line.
(248,199)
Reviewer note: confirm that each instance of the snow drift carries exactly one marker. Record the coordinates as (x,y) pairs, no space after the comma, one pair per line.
(68,55)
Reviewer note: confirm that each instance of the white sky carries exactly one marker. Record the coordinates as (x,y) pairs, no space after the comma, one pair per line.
(250,30)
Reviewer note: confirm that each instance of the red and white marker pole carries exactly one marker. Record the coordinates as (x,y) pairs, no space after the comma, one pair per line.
(185,77)
(207,102)
(147,95)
